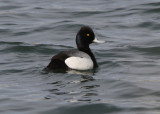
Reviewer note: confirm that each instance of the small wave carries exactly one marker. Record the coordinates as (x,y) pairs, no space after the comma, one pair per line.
(19,47)
(149,50)
(87,109)
(153,10)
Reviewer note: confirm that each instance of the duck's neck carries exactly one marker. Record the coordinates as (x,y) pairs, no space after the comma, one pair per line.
(89,52)
(82,46)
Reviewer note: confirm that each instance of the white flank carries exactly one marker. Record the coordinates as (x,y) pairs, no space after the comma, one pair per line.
(79,63)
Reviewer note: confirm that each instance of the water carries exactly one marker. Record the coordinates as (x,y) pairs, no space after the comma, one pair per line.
(127,80)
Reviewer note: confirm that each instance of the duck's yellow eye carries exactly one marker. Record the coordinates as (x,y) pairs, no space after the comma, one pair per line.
(88,34)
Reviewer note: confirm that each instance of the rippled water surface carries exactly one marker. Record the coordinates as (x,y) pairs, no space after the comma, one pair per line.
(127,80)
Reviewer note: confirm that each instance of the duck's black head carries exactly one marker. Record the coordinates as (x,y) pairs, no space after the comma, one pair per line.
(84,37)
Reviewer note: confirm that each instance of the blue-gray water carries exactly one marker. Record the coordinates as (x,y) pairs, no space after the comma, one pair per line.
(127,80)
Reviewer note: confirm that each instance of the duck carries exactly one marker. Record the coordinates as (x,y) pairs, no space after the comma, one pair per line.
(80,59)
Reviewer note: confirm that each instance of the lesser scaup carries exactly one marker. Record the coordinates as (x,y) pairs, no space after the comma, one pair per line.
(81,59)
